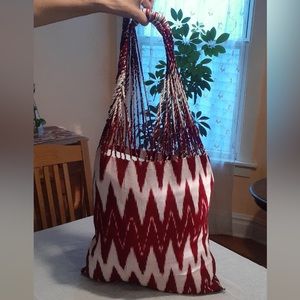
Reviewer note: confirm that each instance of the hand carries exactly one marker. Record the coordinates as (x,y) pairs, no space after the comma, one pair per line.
(51,11)
(131,9)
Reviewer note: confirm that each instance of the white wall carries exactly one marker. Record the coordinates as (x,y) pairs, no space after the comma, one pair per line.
(74,71)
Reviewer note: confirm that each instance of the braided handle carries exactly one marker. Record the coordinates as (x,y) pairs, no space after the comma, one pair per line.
(129,126)
(162,25)
(124,45)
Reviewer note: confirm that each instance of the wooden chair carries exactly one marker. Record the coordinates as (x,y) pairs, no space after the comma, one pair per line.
(59,196)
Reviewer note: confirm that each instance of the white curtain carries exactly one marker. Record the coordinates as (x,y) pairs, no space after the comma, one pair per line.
(223,104)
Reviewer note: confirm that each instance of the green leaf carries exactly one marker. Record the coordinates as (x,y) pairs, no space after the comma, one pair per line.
(189,94)
(193,47)
(149,82)
(203,69)
(205,85)
(214,52)
(193,57)
(152,76)
(207,50)
(197,41)
(205,125)
(177,35)
(174,14)
(160,67)
(184,30)
(199,113)
(205,38)
(207,77)
(163,62)
(153,91)
(204,118)
(153,108)
(160,86)
(205,61)
(185,20)
(195,35)
(220,49)
(159,74)
(222,38)
(170,23)
(213,33)
(184,49)
(178,60)
(180,14)
(195,97)
(203,131)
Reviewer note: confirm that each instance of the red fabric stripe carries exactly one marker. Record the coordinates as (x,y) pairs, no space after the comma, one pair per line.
(177,168)
(98,273)
(171,286)
(104,159)
(121,169)
(159,168)
(115,275)
(133,278)
(189,286)
(203,159)
(192,165)
(141,170)
(152,282)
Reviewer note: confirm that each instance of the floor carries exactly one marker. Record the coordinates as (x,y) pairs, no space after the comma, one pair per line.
(245,247)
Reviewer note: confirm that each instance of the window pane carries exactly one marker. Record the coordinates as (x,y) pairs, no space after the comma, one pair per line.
(222,104)
(225,15)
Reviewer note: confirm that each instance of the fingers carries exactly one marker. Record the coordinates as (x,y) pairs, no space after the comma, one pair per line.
(141,17)
(147,3)
(133,10)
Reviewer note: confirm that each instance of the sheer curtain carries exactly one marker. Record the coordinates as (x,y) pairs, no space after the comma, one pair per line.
(223,104)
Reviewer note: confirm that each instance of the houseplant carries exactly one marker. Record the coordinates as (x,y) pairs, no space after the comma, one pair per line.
(195,49)
(38,122)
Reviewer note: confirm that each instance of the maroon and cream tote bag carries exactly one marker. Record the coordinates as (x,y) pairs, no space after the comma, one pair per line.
(152,184)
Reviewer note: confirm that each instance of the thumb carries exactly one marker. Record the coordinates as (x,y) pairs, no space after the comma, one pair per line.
(140,17)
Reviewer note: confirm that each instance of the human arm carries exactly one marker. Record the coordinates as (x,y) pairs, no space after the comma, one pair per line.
(51,11)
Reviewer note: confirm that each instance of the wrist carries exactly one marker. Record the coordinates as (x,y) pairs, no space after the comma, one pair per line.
(101,5)
(122,8)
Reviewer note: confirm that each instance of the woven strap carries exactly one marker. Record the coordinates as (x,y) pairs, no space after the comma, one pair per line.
(129,126)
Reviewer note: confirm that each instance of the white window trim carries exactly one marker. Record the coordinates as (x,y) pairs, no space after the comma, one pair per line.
(255,70)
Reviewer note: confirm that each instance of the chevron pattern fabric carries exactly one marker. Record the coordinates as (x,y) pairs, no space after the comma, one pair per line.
(151,224)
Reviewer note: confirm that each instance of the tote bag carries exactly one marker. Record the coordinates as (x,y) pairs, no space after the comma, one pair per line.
(152,184)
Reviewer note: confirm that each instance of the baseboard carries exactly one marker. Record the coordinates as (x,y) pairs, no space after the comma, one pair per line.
(246,226)
(220,222)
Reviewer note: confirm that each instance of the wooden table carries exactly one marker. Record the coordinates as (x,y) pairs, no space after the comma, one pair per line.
(59,255)
(58,135)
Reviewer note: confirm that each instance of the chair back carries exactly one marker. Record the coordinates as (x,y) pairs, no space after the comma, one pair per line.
(62,185)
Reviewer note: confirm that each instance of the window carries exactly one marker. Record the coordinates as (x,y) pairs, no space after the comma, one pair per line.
(223,104)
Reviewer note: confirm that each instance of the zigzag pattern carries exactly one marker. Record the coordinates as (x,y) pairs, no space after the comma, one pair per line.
(151,224)
(157,176)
